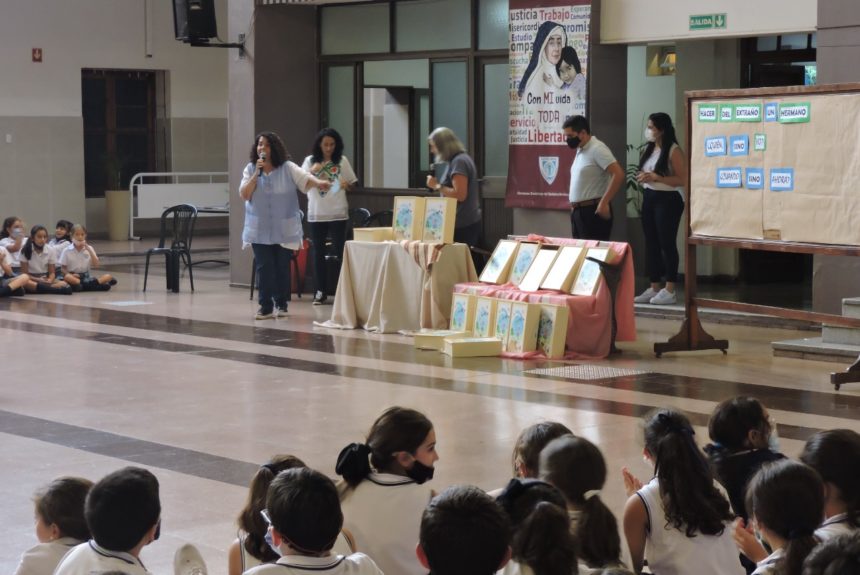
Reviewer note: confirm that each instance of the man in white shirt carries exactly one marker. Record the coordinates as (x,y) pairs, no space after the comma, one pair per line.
(595,178)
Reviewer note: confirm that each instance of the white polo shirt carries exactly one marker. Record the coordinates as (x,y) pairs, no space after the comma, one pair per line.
(383,514)
(38,263)
(355,564)
(5,257)
(44,557)
(836,525)
(89,557)
(16,256)
(76,261)
(588,176)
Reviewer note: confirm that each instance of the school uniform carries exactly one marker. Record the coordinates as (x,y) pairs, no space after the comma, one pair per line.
(15,262)
(836,525)
(90,557)
(767,566)
(355,564)
(248,561)
(37,263)
(670,552)
(6,260)
(77,262)
(383,514)
(44,557)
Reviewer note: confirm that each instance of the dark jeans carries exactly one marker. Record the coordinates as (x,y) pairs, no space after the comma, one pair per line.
(585,224)
(471,235)
(661,215)
(319,232)
(273,275)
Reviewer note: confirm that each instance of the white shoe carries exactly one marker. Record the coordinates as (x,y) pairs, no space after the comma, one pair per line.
(665,297)
(645,296)
(188,561)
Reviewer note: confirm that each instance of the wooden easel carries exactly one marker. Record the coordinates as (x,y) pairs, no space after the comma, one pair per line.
(692,336)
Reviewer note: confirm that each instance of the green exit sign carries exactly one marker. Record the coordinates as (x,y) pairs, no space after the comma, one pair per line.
(708,21)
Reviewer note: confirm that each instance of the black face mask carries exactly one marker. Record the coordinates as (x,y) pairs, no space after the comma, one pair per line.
(573,143)
(419,473)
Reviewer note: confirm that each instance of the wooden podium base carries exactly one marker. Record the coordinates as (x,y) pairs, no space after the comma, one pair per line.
(691,337)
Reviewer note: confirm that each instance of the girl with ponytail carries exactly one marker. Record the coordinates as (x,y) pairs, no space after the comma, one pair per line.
(680,518)
(542,541)
(786,500)
(253,544)
(576,467)
(384,491)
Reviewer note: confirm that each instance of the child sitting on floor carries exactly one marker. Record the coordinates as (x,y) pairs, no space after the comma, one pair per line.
(39,262)
(78,259)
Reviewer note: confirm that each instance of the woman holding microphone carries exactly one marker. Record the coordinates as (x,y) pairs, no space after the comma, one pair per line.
(273,222)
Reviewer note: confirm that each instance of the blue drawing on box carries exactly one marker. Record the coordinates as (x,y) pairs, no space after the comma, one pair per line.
(715,146)
(403,221)
(740,145)
(545,330)
(729,178)
(771,112)
(482,320)
(782,180)
(458,318)
(518,326)
(754,178)
(433,223)
(503,322)
(524,259)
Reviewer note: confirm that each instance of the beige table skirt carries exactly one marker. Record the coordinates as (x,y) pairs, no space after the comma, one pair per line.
(382,288)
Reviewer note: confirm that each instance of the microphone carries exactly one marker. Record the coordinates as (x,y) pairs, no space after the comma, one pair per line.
(262,157)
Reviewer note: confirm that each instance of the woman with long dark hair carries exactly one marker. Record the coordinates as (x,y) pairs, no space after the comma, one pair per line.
(328,210)
(273,222)
(662,171)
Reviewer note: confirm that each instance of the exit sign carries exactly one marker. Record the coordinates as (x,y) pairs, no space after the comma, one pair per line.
(708,21)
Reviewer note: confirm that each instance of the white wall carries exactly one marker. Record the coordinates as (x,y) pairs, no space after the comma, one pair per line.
(632,21)
(645,95)
(75,34)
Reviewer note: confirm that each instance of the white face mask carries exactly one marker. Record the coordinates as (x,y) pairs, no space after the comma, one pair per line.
(649,135)
(78,243)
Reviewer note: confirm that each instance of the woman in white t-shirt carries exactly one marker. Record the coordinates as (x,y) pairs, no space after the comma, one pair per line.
(328,210)
(662,170)
(680,518)
(384,491)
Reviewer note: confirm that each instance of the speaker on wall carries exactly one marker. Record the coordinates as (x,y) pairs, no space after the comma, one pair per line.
(194,20)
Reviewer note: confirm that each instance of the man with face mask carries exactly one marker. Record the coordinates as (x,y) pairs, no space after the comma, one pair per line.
(595,178)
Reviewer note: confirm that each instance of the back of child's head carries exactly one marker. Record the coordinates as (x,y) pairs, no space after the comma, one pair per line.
(542,538)
(464,532)
(787,498)
(61,503)
(577,468)
(250,520)
(529,444)
(691,501)
(568,54)
(835,455)
(304,507)
(122,507)
(398,429)
(732,421)
(839,555)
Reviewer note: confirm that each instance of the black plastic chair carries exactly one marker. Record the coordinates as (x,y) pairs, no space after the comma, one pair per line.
(379,219)
(177,230)
(357,219)
(294,263)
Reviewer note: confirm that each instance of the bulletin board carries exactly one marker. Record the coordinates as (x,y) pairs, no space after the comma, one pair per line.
(777,165)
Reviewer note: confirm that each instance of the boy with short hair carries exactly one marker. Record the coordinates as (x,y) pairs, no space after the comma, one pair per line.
(123,512)
(464,532)
(304,509)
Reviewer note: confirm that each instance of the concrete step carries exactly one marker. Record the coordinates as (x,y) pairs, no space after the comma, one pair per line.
(840,335)
(851,307)
(814,348)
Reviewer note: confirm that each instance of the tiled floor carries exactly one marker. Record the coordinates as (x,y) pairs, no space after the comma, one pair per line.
(191,386)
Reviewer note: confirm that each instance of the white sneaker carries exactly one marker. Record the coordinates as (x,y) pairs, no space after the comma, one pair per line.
(665,297)
(645,296)
(188,561)
(280,313)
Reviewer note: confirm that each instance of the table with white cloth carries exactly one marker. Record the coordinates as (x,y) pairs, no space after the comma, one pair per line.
(386,287)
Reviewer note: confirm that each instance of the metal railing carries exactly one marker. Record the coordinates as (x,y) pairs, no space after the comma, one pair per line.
(166,177)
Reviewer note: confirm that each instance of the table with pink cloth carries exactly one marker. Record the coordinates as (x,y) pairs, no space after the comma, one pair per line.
(589,328)
(389,287)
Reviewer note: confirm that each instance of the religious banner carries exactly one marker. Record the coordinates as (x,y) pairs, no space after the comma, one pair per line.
(549,61)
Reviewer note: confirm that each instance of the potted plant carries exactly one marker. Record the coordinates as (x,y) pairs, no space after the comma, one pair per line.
(635,195)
